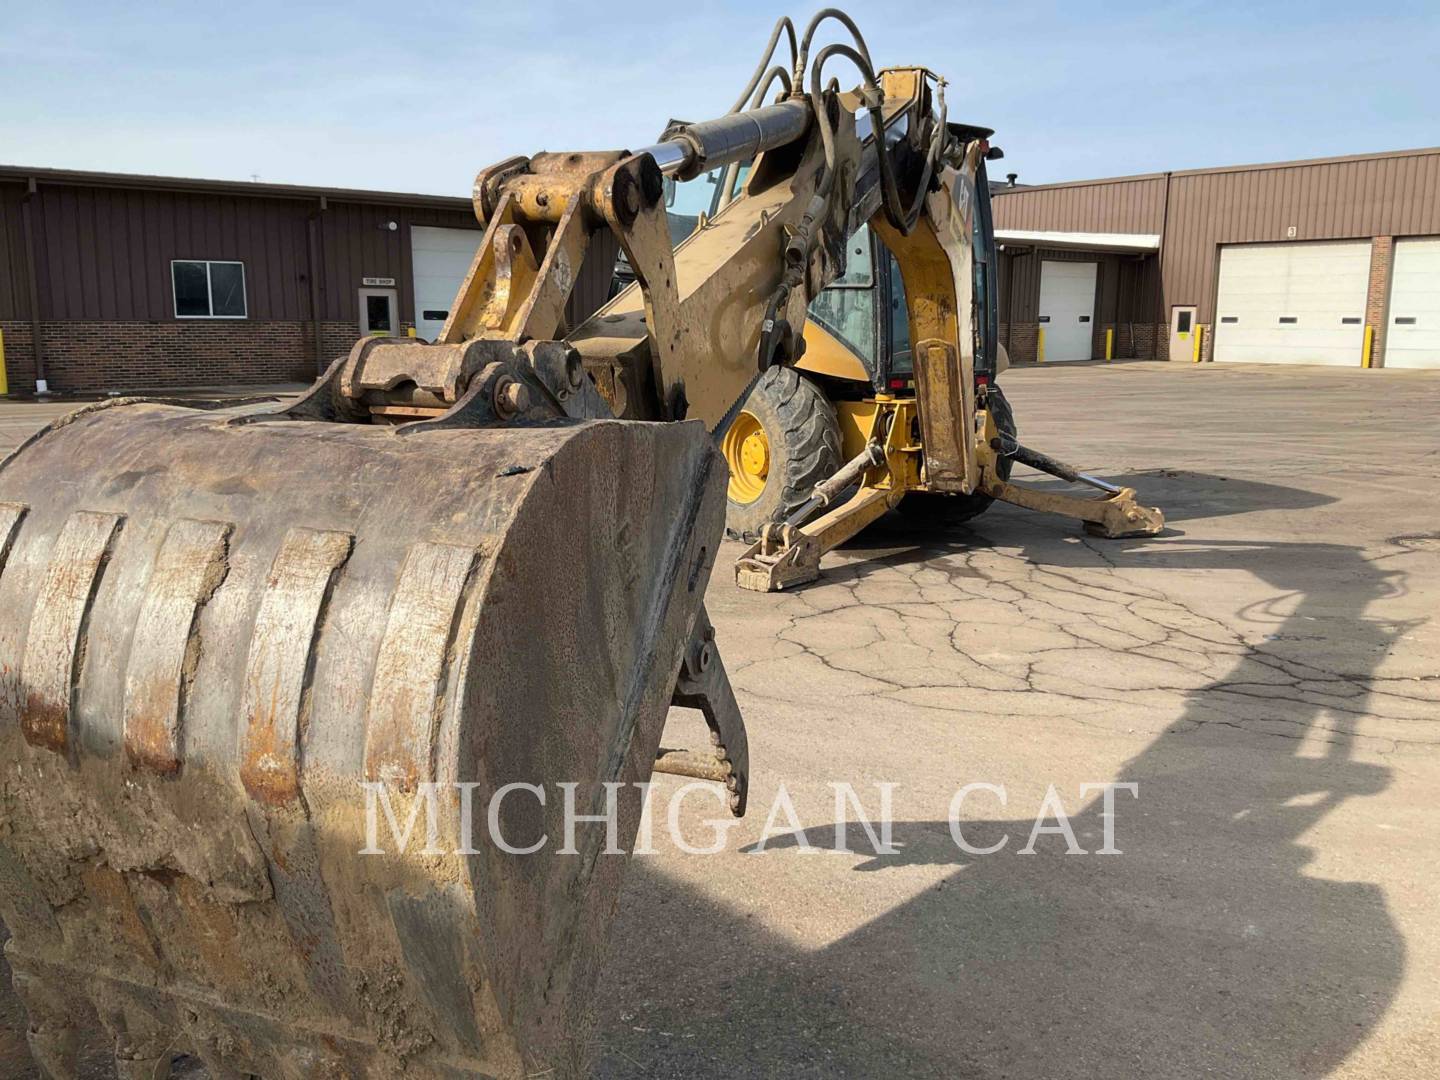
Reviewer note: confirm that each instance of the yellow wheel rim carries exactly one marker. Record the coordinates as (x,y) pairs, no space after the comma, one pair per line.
(747,453)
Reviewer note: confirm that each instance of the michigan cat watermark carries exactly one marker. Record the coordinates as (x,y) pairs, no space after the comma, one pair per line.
(526,819)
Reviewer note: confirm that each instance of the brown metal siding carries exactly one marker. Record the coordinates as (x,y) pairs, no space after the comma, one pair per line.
(1351,198)
(355,244)
(104,253)
(1102,206)
(592,284)
(1338,200)
(14,299)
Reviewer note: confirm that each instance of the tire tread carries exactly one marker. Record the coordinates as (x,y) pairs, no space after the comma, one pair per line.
(810,432)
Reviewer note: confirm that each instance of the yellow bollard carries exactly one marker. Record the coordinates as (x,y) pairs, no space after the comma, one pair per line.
(4,375)
(1365,353)
(1040,346)
(1110,343)
(1199,333)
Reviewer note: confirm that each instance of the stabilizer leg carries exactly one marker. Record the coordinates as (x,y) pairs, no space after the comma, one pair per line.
(1112,515)
(788,552)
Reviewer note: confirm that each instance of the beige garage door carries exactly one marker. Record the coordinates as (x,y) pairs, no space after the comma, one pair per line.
(441,258)
(1067,303)
(1292,303)
(1413,325)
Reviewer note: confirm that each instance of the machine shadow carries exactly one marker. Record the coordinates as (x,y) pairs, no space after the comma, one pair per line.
(1205,949)
(897,540)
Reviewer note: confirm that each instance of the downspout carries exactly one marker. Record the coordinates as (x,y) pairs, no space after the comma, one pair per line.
(313,239)
(1119,264)
(37,342)
(1163,318)
(1009,298)
(1134,276)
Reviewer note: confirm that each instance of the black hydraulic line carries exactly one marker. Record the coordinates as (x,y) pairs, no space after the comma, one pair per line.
(798,248)
(820,16)
(760,73)
(903,218)
(827,491)
(777,72)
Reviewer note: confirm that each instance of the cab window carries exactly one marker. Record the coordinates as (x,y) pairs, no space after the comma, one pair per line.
(685,202)
(900,362)
(847,306)
(741,175)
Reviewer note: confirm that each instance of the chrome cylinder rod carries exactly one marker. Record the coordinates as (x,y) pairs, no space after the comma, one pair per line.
(690,149)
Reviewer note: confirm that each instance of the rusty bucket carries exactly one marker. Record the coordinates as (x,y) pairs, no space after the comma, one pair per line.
(219,625)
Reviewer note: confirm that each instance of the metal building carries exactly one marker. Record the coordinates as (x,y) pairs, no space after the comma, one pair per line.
(1328,261)
(115,283)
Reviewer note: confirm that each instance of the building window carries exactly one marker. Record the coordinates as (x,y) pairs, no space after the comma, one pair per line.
(208,290)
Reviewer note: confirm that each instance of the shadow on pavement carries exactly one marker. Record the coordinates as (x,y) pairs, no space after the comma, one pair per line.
(1206,949)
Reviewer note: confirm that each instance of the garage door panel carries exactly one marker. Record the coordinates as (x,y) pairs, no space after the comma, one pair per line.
(1313,287)
(440,259)
(1067,307)
(1413,322)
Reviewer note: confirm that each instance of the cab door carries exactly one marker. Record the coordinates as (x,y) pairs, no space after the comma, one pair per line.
(844,324)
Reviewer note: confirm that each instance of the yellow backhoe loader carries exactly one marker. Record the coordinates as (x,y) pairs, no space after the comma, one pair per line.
(451,570)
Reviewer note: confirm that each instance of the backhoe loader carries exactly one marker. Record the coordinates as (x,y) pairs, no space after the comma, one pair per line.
(449,570)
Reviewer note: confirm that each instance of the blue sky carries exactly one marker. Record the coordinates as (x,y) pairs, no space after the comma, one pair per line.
(417,96)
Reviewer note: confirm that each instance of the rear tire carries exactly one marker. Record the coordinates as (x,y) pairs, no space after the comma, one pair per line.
(954,509)
(784,441)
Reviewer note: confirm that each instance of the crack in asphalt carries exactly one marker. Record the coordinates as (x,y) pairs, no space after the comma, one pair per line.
(961,631)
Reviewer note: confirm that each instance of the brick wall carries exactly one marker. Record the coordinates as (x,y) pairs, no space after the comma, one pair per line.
(336,339)
(1377,297)
(1139,341)
(127,356)
(1019,341)
(19,356)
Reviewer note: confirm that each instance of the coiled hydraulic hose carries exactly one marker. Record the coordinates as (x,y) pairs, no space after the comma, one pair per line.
(761,74)
(900,215)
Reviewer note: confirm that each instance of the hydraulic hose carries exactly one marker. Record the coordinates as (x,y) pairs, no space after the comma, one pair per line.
(782,24)
(820,16)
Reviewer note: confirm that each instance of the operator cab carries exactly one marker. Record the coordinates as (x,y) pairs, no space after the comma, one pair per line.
(857,335)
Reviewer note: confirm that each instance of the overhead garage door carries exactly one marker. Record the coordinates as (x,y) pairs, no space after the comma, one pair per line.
(1413,333)
(1292,303)
(1067,304)
(441,258)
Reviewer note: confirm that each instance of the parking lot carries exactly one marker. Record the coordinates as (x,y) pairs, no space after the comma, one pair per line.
(1266,674)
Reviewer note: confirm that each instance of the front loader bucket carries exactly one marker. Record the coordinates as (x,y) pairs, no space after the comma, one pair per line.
(216,626)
